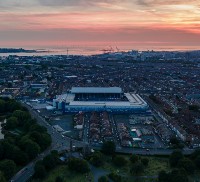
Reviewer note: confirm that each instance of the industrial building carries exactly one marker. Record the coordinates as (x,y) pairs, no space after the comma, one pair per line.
(111,99)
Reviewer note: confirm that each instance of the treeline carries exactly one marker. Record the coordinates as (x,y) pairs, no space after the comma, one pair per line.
(46,165)
(23,139)
(43,167)
(181,167)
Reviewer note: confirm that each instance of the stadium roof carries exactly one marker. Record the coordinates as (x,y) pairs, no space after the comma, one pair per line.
(76,90)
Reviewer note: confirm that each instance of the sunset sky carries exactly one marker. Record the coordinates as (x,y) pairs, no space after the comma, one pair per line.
(138,22)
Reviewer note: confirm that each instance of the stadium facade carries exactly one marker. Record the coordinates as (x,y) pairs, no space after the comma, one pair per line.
(111,99)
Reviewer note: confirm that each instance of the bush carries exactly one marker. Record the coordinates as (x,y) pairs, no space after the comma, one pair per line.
(119,161)
(197,162)
(187,164)
(137,168)
(163,176)
(134,158)
(50,161)
(175,157)
(8,168)
(40,171)
(97,159)
(59,179)
(2,178)
(103,179)
(178,175)
(195,154)
(11,123)
(115,177)
(78,165)
(145,161)
(109,148)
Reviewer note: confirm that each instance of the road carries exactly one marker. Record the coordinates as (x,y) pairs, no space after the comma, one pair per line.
(59,142)
(115,132)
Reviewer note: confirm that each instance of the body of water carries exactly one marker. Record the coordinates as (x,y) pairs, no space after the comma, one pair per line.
(92,50)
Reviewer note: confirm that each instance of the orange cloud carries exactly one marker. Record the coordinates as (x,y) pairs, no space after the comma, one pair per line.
(149,21)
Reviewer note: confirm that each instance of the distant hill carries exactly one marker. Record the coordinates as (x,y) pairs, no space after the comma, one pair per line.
(13,50)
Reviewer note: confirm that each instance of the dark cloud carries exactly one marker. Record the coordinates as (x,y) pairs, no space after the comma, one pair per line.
(164,2)
(60,2)
(10,4)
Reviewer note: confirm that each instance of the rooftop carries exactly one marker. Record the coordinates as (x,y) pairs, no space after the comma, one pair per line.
(107,104)
(76,90)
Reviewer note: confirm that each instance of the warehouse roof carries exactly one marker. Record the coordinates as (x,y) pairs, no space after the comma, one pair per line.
(76,90)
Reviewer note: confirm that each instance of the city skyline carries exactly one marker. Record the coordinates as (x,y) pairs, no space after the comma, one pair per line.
(40,23)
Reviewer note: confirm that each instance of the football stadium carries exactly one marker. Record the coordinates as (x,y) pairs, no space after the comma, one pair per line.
(111,99)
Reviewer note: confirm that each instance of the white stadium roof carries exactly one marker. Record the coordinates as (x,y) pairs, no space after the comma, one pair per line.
(76,90)
(107,104)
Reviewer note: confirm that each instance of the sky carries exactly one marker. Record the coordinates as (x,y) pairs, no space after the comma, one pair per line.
(43,23)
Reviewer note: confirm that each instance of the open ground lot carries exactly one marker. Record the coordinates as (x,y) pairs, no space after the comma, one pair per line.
(66,125)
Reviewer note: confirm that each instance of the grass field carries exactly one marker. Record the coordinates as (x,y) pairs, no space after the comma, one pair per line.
(67,175)
(156,164)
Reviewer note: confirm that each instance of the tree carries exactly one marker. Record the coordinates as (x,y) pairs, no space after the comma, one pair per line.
(45,141)
(8,168)
(29,146)
(174,140)
(145,161)
(50,161)
(59,179)
(134,158)
(195,154)
(115,177)
(187,164)
(97,159)
(175,157)
(12,105)
(27,126)
(2,178)
(78,165)
(108,147)
(1,151)
(2,106)
(137,168)
(176,143)
(14,153)
(22,116)
(38,128)
(103,179)
(42,139)
(11,123)
(178,175)
(32,149)
(40,171)
(21,158)
(22,143)
(197,162)
(163,176)
(119,161)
